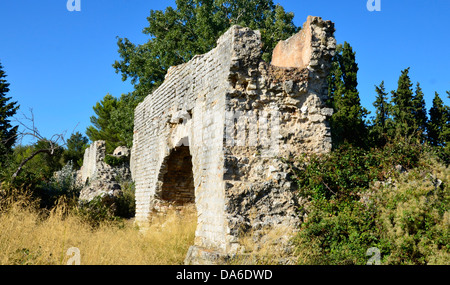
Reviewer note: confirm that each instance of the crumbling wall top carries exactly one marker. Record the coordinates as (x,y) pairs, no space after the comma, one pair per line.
(299,50)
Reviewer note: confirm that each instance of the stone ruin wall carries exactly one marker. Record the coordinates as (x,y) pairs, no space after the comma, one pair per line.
(214,132)
(93,157)
(96,177)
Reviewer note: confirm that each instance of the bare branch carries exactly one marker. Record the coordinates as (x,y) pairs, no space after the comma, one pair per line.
(30,130)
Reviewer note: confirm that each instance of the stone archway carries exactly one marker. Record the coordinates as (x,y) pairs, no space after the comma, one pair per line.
(178,180)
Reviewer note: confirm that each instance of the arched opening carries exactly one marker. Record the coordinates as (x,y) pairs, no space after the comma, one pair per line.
(178,181)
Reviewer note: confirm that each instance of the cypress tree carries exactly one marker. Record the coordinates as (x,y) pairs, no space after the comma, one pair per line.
(380,123)
(420,113)
(438,122)
(402,106)
(347,122)
(7,110)
(446,134)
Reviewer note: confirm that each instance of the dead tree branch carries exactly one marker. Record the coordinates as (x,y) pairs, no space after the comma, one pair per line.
(30,129)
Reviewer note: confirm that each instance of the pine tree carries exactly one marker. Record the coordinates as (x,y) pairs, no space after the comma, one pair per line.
(446,135)
(76,145)
(7,110)
(102,124)
(347,122)
(446,127)
(402,106)
(438,122)
(420,113)
(379,128)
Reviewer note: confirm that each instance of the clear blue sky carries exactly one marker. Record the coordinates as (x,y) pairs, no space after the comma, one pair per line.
(59,63)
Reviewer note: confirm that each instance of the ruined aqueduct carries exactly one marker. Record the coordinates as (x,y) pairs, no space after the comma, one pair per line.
(214,132)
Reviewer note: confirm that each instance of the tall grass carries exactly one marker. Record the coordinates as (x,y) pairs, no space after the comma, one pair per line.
(29,235)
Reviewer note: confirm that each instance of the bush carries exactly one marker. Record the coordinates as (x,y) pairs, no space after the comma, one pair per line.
(97,211)
(115,161)
(109,209)
(126,203)
(355,199)
(415,217)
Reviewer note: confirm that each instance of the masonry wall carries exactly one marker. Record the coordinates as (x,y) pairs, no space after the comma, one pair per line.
(238,115)
(93,155)
(188,108)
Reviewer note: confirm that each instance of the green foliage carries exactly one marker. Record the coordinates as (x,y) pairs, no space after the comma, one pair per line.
(336,233)
(76,145)
(354,199)
(97,211)
(101,123)
(61,185)
(419,113)
(126,203)
(348,169)
(7,110)
(347,122)
(108,209)
(415,217)
(41,167)
(382,124)
(402,107)
(193,27)
(115,161)
(438,124)
(114,121)
(37,174)
(122,118)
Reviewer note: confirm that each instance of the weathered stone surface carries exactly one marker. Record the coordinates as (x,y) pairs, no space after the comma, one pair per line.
(301,50)
(121,151)
(220,122)
(92,160)
(99,178)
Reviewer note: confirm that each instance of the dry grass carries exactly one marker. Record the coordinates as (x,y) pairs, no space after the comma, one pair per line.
(30,237)
(271,246)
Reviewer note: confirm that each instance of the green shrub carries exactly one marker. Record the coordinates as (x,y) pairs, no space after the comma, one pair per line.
(97,211)
(354,199)
(126,206)
(109,209)
(115,161)
(415,217)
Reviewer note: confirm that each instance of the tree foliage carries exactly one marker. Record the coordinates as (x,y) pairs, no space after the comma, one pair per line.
(419,113)
(7,110)
(347,122)
(381,122)
(403,107)
(114,121)
(76,145)
(438,124)
(193,27)
(101,128)
(175,36)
